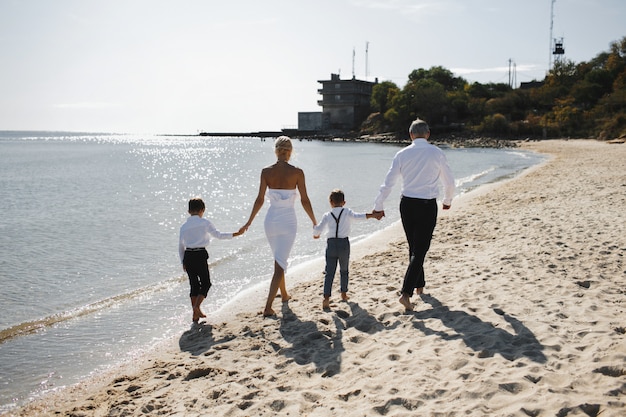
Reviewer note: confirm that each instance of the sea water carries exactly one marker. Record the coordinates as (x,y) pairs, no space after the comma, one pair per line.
(89,267)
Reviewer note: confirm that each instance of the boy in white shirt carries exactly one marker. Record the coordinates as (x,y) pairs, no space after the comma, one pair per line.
(195,235)
(337,221)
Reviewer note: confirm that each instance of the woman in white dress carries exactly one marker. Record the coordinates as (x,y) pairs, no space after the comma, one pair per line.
(282,182)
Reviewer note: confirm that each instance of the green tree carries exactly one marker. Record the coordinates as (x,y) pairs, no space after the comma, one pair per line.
(439,75)
(563,74)
(383,95)
(425,99)
(576,100)
(495,124)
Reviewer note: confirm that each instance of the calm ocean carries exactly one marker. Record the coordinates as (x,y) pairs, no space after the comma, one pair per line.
(89,267)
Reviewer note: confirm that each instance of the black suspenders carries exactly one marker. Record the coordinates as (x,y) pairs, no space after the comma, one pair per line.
(337,221)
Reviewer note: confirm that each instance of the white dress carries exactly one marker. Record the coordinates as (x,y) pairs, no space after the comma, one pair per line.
(281,224)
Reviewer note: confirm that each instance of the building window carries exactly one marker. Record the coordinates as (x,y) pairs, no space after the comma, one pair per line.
(337,97)
(337,86)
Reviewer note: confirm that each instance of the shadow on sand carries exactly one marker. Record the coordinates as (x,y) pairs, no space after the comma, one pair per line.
(310,345)
(199,339)
(482,337)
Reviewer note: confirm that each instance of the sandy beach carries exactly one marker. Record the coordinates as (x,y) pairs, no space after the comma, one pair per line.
(523,315)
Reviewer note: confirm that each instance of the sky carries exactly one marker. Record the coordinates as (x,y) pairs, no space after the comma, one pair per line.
(187,66)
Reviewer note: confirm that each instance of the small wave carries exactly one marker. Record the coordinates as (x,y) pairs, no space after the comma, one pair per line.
(34,326)
(521,155)
(471,178)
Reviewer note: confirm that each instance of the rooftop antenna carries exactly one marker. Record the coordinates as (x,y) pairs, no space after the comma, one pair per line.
(353,53)
(367,46)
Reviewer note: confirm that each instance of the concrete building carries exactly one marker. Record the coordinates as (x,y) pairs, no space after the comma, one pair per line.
(313,122)
(346,102)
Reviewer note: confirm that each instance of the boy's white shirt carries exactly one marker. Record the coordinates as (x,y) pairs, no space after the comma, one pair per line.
(345,222)
(196,232)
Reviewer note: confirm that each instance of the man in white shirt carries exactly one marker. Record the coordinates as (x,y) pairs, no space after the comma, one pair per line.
(421,166)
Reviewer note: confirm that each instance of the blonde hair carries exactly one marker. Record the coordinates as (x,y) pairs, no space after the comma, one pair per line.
(283,148)
(283,142)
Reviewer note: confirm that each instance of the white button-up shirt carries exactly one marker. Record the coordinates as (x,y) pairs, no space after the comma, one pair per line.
(345,222)
(422,166)
(196,232)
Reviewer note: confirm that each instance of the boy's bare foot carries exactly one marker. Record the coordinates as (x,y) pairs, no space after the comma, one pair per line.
(326,303)
(268,312)
(344,296)
(406,302)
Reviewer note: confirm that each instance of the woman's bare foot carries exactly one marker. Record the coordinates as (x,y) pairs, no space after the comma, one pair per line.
(406,302)
(268,312)
(344,296)
(200,313)
(419,291)
(285,298)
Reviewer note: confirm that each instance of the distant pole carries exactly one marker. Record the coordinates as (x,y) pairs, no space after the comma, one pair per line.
(514,75)
(509,72)
(550,43)
(367,47)
(353,53)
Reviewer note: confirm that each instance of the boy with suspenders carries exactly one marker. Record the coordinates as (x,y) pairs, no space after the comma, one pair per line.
(337,222)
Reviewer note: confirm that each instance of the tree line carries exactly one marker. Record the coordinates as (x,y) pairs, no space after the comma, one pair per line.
(584,100)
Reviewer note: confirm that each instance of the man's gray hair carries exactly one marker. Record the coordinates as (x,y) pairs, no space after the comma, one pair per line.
(419,128)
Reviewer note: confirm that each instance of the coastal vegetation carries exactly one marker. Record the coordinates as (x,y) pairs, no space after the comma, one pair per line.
(576,100)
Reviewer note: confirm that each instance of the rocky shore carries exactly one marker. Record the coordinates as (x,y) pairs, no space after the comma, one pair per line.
(451,141)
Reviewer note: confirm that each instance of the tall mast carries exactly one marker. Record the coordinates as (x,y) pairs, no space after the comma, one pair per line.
(367,46)
(551,27)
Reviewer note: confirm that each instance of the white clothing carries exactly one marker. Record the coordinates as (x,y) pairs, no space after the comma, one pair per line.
(281,224)
(345,222)
(421,166)
(196,233)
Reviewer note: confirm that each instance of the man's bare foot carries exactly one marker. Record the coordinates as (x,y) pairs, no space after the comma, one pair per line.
(200,313)
(344,296)
(419,291)
(268,312)
(406,302)
(326,303)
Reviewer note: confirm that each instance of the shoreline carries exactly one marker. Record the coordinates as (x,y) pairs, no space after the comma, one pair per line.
(525,283)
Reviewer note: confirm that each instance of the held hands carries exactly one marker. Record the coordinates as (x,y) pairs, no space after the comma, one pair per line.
(378,214)
(446,206)
(241,231)
(245,227)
